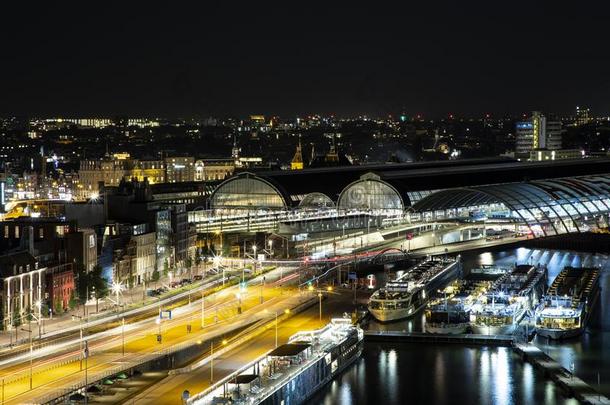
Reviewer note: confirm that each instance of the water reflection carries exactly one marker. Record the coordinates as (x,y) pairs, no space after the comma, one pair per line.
(445,374)
(588,352)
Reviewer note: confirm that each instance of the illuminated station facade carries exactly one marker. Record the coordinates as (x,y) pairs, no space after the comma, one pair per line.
(542,198)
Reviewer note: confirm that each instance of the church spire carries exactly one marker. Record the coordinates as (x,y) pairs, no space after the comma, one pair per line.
(297,160)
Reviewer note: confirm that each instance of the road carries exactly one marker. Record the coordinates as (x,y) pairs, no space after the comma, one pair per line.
(169,389)
(58,366)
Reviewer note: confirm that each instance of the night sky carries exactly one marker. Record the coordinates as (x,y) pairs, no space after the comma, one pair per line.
(288,58)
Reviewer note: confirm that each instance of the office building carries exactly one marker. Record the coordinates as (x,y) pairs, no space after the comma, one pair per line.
(537,133)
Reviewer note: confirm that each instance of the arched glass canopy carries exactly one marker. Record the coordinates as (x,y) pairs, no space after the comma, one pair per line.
(551,206)
(247,191)
(316,201)
(370,193)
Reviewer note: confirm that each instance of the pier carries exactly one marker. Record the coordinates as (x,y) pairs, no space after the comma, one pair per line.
(570,383)
(420,337)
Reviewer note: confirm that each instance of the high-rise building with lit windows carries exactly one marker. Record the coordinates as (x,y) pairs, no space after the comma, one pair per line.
(582,116)
(537,133)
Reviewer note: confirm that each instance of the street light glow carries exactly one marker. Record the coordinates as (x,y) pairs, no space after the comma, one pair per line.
(117,288)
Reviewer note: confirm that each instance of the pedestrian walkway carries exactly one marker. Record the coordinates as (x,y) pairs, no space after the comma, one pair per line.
(562,377)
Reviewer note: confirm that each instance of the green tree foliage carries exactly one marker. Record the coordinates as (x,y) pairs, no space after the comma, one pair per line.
(59,308)
(89,282)
(165,268)
(16,317)
(98,281)
(155,275)
(73,300)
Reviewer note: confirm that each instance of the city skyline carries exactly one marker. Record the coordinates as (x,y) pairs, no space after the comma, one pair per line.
(328,59)
(304,203)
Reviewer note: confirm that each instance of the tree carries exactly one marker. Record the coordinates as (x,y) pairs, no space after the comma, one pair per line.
(189,265)
(155,275)
(82,283)
(16,317)
(73,300)
(44,308)
(165,267)
(28,313)
(97,281)
(59,308)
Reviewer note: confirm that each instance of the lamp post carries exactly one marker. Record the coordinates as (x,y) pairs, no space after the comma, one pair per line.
(29,331)
(80,318)
(86,356)
(212,362)
(117,288)
(254,261)
(202,310)
(276,329)
(329,289)
(262,286)
(39,320)
(224,342)
(238,296)
(320,300)
(158,322)
(123,335)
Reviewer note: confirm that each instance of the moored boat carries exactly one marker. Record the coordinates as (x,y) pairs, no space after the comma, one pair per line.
(408,294)
(499,311)
(568,304)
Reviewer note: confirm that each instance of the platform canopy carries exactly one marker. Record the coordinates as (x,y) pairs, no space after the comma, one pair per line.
(542,202)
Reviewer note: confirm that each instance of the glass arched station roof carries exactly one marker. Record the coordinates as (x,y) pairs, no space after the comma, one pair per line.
(555,206)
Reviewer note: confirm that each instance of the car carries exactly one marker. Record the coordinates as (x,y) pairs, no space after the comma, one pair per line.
(198,277)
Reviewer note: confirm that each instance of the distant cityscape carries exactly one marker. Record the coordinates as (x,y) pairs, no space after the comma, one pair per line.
(146,219)
(66,158)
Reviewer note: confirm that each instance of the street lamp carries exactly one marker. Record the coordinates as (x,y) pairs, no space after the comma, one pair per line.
(202,309)
(238,296)
(80,318)
(262,286)
(39,320)
(29,331)
(224,342)
(254,257)
(329,289)
(123,335)
(117,288)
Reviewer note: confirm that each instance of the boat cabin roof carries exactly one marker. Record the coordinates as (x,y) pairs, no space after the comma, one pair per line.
(289,350)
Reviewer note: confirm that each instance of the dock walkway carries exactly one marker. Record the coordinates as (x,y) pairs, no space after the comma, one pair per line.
(573,385)
(419,337)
